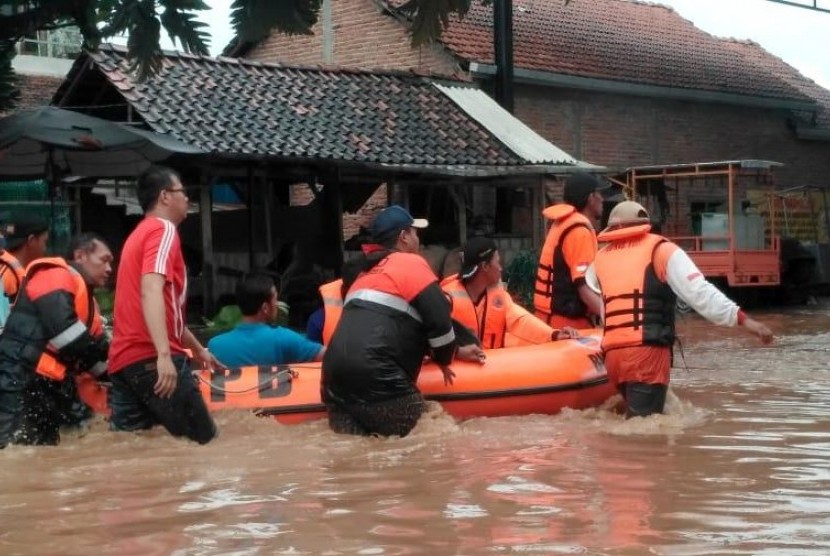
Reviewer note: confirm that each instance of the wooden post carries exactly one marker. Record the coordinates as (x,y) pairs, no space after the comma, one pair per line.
(208,260)
(249,203)
(536,206)
(457,194)
(77,209)
(267,200)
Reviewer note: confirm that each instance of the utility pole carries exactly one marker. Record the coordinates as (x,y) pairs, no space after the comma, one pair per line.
(503,47)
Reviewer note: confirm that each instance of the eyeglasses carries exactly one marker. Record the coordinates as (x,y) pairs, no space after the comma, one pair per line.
(181,190)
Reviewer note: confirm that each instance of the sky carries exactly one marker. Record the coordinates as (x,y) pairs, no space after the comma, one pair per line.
(796,35)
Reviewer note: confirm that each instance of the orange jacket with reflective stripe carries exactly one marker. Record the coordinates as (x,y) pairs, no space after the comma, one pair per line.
(496,320)
(13,273)
(332,294)
(86,309)
(639,307)
(555,292)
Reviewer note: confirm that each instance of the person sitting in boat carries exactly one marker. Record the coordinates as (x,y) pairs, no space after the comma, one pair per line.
(255,341)
(321,323)
(482,304)
(641,275)
(54,330)
(394,314)
(561,297)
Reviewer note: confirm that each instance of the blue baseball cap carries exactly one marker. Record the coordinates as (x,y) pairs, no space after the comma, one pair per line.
(393,220)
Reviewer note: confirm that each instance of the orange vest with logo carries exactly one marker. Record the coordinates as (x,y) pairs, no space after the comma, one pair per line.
(555,292)
(488,320)
(639,307)
(86,309)
(13,273)
(331,293)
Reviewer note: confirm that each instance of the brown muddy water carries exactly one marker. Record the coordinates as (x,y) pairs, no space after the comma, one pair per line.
(740,465)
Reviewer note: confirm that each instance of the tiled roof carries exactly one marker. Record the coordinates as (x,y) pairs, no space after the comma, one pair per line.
(754,54)
(620,40)
(249,108)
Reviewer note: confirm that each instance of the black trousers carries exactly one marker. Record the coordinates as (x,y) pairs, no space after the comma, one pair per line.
(643,399)
(135,406)
(395,417)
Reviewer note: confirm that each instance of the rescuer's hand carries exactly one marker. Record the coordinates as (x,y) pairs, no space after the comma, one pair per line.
(448,374)
(759,329)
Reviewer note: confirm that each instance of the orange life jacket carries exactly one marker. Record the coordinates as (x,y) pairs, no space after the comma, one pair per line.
(13,273)
(555,292)
(332,294)
(497,320)
(86,309)
(639,307)
(487,320)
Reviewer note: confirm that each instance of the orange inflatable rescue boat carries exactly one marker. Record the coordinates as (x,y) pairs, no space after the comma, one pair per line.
(513,381)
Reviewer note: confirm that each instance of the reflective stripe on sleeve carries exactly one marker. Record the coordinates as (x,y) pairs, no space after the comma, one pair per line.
(442,340)
(387,300)
(67,336)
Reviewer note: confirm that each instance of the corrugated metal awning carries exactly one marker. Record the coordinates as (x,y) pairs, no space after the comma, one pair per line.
(511,131)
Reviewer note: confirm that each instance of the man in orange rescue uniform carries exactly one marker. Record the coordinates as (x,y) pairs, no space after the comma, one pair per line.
(481,303)
(394,314)
(26,236)
(53,331)
(561,296)
(641,275)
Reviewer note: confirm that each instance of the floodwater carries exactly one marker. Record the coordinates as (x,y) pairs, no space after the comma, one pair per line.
(741,465)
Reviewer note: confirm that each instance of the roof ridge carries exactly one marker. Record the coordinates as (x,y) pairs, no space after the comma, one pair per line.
(404,73)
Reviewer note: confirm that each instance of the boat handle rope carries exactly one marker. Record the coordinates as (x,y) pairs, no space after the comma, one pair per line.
(289,373)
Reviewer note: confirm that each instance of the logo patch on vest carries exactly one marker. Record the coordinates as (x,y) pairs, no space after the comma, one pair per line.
(498,303)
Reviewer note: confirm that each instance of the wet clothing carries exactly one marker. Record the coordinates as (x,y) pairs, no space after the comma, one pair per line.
(136,407)
(394,314)
(153,247)
(495,319)
(642,399)
(260,344)
(640,275)
(48,406)
(395,417)
(45,325)
(568,251)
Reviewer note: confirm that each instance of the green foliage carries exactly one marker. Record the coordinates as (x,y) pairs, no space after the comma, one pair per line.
(430,18)
(230,315)
(8,91)
(520,277)
(253,20)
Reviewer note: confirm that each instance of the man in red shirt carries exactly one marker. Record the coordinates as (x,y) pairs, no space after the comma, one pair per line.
(151,380)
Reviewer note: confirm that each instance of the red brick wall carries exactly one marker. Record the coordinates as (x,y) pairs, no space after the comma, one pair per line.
(621,131)
(364,37)
(36,90)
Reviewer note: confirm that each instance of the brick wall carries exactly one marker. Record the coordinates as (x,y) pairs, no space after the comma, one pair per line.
(621,131)
(363,37)
(36,90)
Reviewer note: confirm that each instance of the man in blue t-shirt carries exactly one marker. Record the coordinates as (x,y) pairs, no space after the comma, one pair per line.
(255,341)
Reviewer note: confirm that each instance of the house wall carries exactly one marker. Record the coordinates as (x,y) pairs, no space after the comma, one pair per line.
(620,131)
(360,36)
